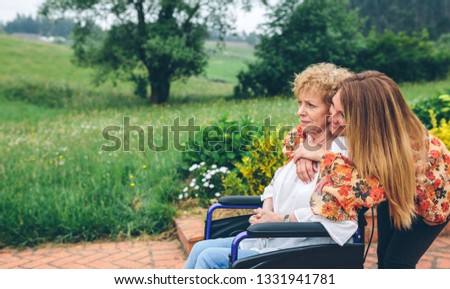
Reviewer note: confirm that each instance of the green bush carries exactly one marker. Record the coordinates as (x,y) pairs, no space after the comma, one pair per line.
(221,143)
(443,44)
(441,131)
(404,57)
(257,169)
(439,104)
(298,36)
(205,183)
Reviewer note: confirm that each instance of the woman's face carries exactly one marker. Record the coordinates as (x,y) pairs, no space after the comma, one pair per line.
(312,111)
(337,120)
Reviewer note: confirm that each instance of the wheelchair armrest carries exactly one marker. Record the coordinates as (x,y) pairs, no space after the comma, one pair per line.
(241,201)
(279,230)
(295,229)
(230,202)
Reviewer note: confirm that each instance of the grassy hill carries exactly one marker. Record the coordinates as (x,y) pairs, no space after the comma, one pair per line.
(30,61)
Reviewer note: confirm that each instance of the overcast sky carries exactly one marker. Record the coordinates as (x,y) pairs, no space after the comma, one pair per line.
(9,8)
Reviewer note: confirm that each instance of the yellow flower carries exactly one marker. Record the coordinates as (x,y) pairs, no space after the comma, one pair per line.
(131,177)
(144,166)
(132,185)
(60,156)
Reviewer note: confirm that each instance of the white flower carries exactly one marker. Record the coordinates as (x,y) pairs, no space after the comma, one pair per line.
(208,176)
(211,186)
(180,196)
(217,194)
(191,184)
(193,167)
(196,195)
(186,195)
(203,180)
(206,184)
(185,189)
(202,163)
(214,166)
(196,187)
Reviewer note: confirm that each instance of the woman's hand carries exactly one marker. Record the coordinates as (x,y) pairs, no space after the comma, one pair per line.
(264,216)
(306,169)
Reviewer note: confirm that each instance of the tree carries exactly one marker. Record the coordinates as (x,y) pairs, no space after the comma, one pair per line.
(22,24)
(405,15)
(149,42)
(404,57)
(300,33)
(40,25)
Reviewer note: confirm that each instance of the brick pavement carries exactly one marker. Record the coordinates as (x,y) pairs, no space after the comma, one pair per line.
(130,255)
(167,254)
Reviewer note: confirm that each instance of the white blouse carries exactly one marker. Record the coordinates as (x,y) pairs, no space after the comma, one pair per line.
(292,196)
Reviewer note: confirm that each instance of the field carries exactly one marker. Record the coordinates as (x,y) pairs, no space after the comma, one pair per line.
(56,184)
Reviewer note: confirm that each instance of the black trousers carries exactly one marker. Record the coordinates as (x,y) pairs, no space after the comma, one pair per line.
(402,249)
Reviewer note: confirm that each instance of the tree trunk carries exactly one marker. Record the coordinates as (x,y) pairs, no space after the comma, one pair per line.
(160,89)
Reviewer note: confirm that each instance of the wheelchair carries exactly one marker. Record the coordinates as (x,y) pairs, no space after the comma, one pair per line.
(324,256)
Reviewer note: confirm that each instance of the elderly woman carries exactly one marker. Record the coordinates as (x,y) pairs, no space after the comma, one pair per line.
(286,198)
(393,157)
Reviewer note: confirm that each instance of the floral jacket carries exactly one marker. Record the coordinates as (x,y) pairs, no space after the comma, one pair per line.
(292,140)
(340,190)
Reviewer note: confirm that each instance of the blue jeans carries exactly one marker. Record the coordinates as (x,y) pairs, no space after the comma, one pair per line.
(213,254)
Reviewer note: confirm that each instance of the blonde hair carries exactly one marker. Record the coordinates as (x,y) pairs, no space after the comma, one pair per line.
(323,78)
(384,137)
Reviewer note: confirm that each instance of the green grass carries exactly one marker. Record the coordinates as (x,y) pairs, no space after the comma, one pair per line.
(224,63)
(55,182)
(414,92)
(26,61)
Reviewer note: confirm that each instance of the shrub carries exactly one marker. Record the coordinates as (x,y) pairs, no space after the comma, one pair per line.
(205,183)
(299,35)
(439,104)
(235,185)
(404,57)
(442,131)
(222,143)
(257,169)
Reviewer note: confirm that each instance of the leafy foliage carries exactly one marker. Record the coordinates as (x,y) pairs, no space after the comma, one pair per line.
(222,143)
(256,169)
(151,43)
(301,34)
(405,15)
(439,104)
(205,183)
(403,57)
(441,131)
(39,25)
(297,36)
